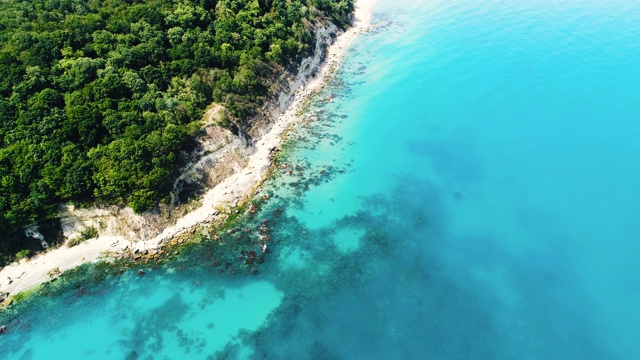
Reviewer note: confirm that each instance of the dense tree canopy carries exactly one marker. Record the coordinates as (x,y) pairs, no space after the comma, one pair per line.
(99,98)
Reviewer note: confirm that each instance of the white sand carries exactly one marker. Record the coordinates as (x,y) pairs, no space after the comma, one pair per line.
(26,274)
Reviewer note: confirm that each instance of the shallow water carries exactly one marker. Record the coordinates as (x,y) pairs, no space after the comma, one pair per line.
(467,192)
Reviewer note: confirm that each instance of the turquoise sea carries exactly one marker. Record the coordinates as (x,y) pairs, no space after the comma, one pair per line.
(465,188)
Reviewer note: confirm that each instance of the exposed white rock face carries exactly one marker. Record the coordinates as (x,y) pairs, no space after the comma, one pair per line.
(288,83)
(34,233)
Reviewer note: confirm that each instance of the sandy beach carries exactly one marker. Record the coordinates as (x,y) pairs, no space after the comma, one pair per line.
(28,273)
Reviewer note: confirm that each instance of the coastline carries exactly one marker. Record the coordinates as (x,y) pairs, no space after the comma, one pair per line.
(27,274)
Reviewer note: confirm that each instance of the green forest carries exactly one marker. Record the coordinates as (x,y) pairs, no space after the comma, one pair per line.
(100,99)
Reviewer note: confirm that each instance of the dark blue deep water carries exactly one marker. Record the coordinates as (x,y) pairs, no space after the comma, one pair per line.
(465,188)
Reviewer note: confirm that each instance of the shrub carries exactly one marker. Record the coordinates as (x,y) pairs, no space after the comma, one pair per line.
(89,233)
(86,234)
(23,254)
(75,241)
